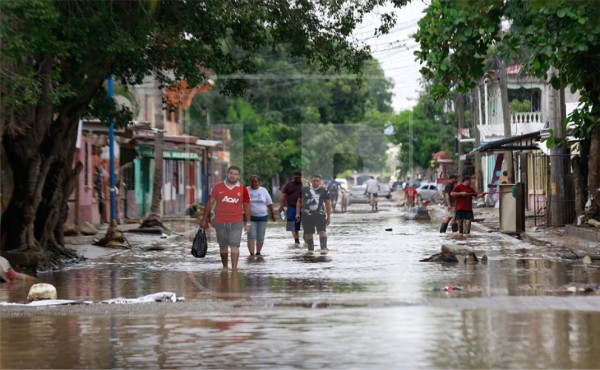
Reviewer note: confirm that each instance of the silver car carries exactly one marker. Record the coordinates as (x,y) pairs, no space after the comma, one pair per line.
(384,191)
(357,195)
(429,191)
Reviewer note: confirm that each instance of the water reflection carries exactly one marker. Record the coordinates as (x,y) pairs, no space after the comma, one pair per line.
(360,305)
(416,337)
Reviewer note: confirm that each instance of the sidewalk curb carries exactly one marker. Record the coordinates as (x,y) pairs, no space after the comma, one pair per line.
(507,237)
(592,235)
(535,241)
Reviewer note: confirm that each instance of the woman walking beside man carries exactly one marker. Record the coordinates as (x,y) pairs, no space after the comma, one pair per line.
(260,205)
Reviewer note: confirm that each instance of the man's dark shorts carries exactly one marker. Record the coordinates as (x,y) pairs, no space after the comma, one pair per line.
(312,222)
(464,215)
(291,224)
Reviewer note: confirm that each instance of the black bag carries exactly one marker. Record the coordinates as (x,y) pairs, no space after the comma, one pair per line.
(200,244)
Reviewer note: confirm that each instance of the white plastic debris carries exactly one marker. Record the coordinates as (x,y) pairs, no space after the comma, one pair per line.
(155,297)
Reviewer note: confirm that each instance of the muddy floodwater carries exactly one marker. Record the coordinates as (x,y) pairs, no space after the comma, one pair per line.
(367,303)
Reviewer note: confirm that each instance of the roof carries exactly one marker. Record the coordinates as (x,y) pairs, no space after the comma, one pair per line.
(209,143)
(497,131)
(514,69)
(519,142)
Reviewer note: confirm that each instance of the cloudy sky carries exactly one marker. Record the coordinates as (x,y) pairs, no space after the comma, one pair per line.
(395,51)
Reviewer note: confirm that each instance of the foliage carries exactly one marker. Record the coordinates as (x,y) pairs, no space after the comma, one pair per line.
(558,40)
(517,105)
(564,35)
(433,131)
(288,103)
(455,36)
(169,39)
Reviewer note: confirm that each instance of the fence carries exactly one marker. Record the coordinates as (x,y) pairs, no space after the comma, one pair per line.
(543,198)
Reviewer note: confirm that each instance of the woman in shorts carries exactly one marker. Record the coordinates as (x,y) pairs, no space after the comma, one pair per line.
(260,205)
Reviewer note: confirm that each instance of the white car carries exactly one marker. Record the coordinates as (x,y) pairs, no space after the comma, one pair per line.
(429,191)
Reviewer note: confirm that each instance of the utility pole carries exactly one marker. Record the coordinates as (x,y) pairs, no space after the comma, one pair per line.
(460,112)
(412,146)
(558,156)
(476,108)
(111,145)
(503,80)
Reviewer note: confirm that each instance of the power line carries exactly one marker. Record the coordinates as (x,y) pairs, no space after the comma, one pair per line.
(275,77)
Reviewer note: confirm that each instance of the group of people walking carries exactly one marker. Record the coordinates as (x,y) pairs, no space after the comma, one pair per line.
(238,208)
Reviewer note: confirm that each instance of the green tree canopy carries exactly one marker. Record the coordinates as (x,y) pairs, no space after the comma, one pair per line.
(57,54)
(287,102)
(433,130)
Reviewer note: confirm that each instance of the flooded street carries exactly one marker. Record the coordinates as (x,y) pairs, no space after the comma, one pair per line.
(368,302)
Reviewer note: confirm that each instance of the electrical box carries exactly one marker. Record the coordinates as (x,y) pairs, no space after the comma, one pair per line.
(512,208)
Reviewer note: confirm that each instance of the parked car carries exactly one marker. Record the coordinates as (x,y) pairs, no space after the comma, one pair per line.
(429,191)
(384,191)
(357,195)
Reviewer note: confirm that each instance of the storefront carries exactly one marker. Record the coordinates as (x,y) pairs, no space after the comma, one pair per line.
(182,176)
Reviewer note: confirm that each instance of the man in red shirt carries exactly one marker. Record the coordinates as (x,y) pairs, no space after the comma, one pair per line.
(410,194)
(231,201)
(463,193)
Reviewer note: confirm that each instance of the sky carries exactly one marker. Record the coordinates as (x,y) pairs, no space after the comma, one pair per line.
(395,51)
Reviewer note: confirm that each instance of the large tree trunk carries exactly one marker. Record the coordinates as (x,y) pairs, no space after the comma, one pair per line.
(41,161)
(153,219)
(594,172)
(40,149)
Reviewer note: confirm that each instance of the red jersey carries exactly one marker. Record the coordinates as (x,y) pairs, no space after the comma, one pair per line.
(410,193)
(229,202)
(464,202)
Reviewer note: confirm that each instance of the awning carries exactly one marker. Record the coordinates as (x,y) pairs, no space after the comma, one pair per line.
(521,142)
(209,143)
(148,151)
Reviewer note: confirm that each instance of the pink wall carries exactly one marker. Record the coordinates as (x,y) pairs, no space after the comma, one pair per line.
(83,203)
(536,202)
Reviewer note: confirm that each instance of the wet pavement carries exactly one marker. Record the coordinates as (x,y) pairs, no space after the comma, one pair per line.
(368,302)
